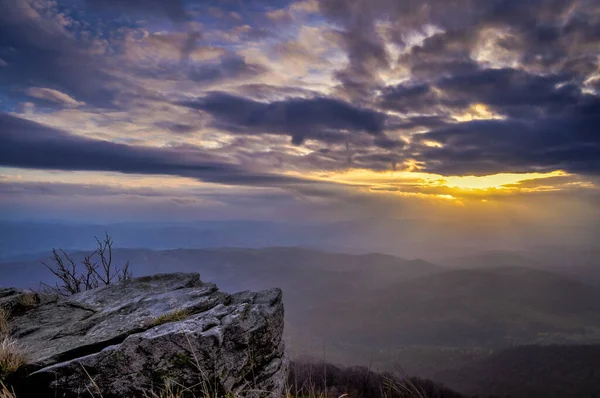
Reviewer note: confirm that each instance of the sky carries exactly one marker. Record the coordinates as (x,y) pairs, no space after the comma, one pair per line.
(305,110)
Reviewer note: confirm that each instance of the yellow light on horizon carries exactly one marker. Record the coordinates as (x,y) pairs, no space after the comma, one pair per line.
(496,181)
(428,185)
(369,177)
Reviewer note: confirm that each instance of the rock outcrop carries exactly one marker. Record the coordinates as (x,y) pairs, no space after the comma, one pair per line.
(127,339)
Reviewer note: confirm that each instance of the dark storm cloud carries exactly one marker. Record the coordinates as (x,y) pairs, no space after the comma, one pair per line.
(510,92)
(64,189)
(177,128)
(225,69)
(180,10)
(420,122)
(548,123)
(39,51)
(229,67)
(547,35)
(569,142)
(173,9)
(443,54)
(364,46)
(323,119)
(552,34)
(366,53)
(525,61)
(266,92)
(409,97)
(27,144)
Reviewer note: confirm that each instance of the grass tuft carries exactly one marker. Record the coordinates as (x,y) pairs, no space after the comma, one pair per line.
(4,325)
(175,316)
(11,353)
(28,300)
(170,390)
(5,392)
(12,356)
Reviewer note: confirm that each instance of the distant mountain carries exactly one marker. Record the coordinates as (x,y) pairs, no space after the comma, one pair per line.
(309,278)
(19,239)
(414,238)
(531,371)
(492,307)
(491,259)
(373,307)
(294,269)
(576,262)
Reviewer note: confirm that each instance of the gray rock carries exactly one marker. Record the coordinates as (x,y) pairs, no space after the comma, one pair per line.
(9,298)
(111,341)
(18,301)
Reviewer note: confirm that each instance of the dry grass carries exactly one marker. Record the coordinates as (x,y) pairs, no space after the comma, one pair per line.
(12,356)
(175,316)
(28,300)
(314,394)
(170,390)
(5,392)
(11,352)
(174,390)
(4,325)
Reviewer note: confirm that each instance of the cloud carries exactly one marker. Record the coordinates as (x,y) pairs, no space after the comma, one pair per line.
(144,47)
(307,6)
(27,144)
(29,188)
(324,119)
(177,128)
(37,47)
(312,49)
(294,9)
(280,15)
(52,95)
(568,142)
(542,36)
(442,54)
(451,87)
(218,68)
(229,67)
(547,122)
(509,92)
(172,9)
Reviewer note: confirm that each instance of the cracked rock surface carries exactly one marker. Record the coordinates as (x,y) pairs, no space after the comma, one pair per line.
(121,340)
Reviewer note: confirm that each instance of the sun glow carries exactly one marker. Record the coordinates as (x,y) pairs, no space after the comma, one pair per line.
(477,112)
(496,181)
(446,187)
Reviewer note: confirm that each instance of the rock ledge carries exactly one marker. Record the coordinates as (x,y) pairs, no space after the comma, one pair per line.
(126,339)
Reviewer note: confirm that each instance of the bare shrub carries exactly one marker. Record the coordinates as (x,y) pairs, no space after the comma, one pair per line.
(89,274)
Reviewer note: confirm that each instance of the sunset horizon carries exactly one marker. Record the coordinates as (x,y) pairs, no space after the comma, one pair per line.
(306,109)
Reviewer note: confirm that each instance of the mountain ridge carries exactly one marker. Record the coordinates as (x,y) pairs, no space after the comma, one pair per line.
(384,307)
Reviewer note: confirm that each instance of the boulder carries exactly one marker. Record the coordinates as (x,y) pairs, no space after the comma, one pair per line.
(136,336)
